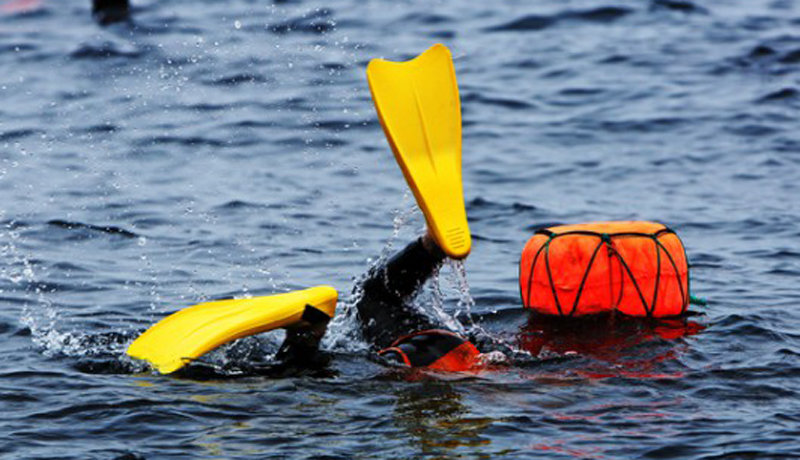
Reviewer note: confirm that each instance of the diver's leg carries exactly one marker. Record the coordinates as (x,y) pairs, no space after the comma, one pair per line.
(402,275)
(302,340)
(383,305)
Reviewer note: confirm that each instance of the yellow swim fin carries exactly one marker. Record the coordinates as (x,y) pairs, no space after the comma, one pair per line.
(188,334)
(419,109)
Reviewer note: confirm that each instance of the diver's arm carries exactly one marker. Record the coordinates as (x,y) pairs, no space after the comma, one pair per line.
(383,304)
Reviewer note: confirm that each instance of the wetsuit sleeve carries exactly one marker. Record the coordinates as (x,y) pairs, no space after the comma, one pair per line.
(383,301)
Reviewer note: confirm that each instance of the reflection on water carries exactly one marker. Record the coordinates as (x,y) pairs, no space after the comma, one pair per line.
(433,415)
(612,345)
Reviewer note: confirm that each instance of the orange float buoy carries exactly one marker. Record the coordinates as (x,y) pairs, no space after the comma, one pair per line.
(636,268)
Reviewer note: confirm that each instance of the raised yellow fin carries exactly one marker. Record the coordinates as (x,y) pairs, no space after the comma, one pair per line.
(419,109)
(188,334)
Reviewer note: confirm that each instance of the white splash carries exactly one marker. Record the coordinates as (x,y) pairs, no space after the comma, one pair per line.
(344,331)
(436,305)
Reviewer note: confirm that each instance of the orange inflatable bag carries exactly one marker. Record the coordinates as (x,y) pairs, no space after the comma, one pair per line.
(636,268)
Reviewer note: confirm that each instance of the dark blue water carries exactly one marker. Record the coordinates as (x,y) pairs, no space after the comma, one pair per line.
(229,148)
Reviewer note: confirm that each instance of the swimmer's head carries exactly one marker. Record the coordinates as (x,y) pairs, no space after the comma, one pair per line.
(434,349)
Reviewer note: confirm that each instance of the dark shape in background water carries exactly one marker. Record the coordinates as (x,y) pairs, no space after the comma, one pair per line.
(110,11)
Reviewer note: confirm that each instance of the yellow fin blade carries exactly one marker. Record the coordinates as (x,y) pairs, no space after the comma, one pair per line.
(419,108)
(188,334)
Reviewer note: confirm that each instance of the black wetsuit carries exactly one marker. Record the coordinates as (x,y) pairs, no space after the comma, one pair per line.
(383,307)
(399,332)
